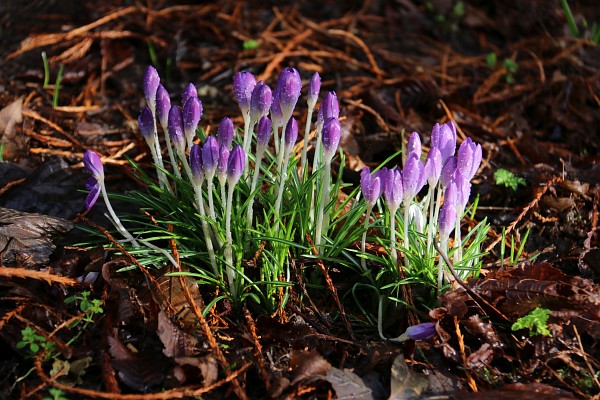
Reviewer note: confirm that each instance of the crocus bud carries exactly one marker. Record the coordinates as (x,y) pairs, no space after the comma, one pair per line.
(222,164)
(433,166)
(291,134)
(260,101)
(190,92)
(412,178)
(196,164)
(313,90)
(469,158)
(263,133)
(192,112)
(243,84)
(447,219)
(163,105)
(444,138)
(330,108)
(175,128)
(392,189)
(414,145)
(210,156)
(235,165)
(151,82)
(464,191)
(276,114)
(225,133)
(93,163)
(448,171)
(290,85)
(451,194)
(370,186)
(330,137)
(146,124)
(421,332)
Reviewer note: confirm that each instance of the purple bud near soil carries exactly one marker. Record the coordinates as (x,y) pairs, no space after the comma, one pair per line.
(370,186)
(260,100)
(421,331)
(448,171)
(447,220)
(192,112)
(210,155)
(235,165)
(313,89)
(243,84)
(414,145)
(290,85)
(263,132)
(412,178)
(189,92)
(163,105)
(225,132)
(93,163)
(392,189)
(196,164)
(433,166)
(175,126)
(151,82)
(222,164)
(94,187)
(330,137)
(291,133)
(146,124)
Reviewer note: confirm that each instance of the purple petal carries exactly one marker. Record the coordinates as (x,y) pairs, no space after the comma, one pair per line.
(291,133)
(192,112)
(330,137)
(313,89)
(190,92)
(222,164)
(412,178)
(175,126)
(290,85)
(447,220)
(146,124)
(263,132)
(225,133)
(196,164)
(210,155)
(243,84)
(433,166)
(260,101)
(163,105)
(235,165)
(393,189)
(151,82)
(414,145)
(448,171)
(422,331)
(93,164)
(92,196)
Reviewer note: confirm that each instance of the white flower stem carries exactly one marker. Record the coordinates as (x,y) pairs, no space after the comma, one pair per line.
(205,229)
(303,165)
(321,217)
(431,223)
(405,241)
(229,243)
(393,253)
(115,220)
(170,151)
(249,213)
(363,244)
(316,165)
(282,179)
(444,248)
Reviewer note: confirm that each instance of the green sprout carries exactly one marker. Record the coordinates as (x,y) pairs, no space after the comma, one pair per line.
(250,45)
(506,178)
(593,32)
(46,70)
(536,321)
(56,394)
(57,86)
(491,59)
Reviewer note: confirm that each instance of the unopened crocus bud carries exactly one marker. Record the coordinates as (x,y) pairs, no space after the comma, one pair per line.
(243,84)
(451,194)
(260,101)
(210,156)
(464,191)
(370,186)
(414,145)
(468,158)
(448,172)
(175,128)
(444,138)
(447,220)
(313,90)
(93,163)
(192,112)
(421,332)
(330,137)
(263,133)
(433,166)
(225,133)
(222,164)
(235,165)
(146,124)
(276,114)
(190,92)
(196,164)
(291,134)
(412,178)
(392,189)
(290,86)
(330,108)
(151,82)
(163,105)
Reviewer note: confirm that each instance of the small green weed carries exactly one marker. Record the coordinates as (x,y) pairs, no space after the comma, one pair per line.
(536,321)
(56,394)
(35,342)
(506,178)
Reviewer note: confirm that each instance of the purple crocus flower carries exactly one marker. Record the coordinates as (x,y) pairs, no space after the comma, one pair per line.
(196,164)
(393,189)
(414,145)
(444,138)
(469,158)
(448,171)
(175,128)
(93,163)
(332,132)
(421,331)
(451,194)
(276,113)
(243,84)
(370,186)
(463,187)
(263,133)
(222,164)
(210,156)
(313,90)
(447,219)
(433,166)
(192,112)
(291,134)
(235,165)
(330,108)
(151,82)
(163,105)
(260,101)
(146,124)
(290,85)
(190,92)
(225,133)
(412,178)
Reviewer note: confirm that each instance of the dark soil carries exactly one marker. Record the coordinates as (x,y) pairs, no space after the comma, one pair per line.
(397,67)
